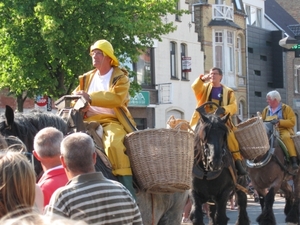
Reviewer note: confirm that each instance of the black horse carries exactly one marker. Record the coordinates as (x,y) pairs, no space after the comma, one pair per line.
(156,209)
(26,126)
(214,176)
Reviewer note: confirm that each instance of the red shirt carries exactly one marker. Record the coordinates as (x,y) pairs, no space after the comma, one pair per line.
(51,180)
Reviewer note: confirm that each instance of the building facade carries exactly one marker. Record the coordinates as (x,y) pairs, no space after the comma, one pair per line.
(221,28)
(174,64)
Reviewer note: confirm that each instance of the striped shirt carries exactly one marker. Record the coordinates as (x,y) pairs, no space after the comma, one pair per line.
(96,200)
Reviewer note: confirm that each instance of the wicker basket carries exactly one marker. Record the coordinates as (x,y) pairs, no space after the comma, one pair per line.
(252,138)
(161,159)
(296,139)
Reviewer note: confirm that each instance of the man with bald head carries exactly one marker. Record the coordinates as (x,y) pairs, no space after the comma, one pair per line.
(47,150)
(90,196)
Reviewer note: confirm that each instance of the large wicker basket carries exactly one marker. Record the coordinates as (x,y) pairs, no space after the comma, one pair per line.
(252,138)
(161,159)
(296,139)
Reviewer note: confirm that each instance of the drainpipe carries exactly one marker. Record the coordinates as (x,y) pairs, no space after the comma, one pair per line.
(247,73)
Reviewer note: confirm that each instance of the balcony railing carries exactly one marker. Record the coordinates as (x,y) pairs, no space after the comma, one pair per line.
(223,12)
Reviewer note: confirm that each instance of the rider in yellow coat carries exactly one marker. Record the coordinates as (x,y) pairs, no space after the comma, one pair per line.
(286,120)
(106,89)
(209,88)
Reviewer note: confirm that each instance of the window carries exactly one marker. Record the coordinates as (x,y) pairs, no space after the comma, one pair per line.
(184,75)
(241,110)
(177,17)
(143,67)
(250,50)
(238,5)
(239,55)
(254,16)
(257,72)
(257,93)
(173,60)
(230,50)
(219,49)
(296,78)
(263,57)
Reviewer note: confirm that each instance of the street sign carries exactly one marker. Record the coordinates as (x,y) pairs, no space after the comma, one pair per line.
(297,46)
(141,99)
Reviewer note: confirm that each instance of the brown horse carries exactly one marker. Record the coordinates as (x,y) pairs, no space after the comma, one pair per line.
(270,173)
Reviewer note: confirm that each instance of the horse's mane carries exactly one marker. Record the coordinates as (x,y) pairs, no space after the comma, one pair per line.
(27,125)
(35,121)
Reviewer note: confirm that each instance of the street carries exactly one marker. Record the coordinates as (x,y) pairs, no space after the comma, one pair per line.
(253,210)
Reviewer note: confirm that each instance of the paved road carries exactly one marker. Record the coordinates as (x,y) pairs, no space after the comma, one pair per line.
(253,210)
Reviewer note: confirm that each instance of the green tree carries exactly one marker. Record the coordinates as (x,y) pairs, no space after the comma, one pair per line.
(45,44)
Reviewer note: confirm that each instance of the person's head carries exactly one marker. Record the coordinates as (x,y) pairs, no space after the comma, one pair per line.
(17,182)
(36,218)
(273,98)
(216,76)
(47,146)
(78,154)
(102,54)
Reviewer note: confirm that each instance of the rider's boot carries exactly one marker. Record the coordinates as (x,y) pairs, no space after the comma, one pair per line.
(128,183)
(239,167)
(294,163)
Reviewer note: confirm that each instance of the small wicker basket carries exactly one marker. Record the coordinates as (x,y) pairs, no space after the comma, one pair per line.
(296,139)
(161,159)
(252,138)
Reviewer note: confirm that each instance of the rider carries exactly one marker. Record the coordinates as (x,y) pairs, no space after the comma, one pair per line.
(286,120)
(106,89)
(209,88)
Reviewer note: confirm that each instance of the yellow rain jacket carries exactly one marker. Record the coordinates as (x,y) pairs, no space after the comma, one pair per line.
(115,127)
(202,91)
(285,127)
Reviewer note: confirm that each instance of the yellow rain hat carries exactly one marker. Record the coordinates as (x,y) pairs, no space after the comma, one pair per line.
(107,49)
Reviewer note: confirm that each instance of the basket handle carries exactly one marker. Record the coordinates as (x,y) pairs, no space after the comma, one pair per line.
(178,126)
(170,119)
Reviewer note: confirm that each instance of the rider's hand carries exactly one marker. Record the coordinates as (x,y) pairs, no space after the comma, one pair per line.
(84,94)
(275,122)
(205,77)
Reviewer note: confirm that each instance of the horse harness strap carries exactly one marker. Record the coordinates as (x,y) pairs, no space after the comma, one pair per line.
(238,186)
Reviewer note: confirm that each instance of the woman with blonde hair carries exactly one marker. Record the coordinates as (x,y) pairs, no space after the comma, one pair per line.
(17,183)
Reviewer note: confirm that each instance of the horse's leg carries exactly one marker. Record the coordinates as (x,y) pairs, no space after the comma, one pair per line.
(196,213)
(287,190)
(212,213)
(267,216)
(243,218)
(220,216)
(293,215)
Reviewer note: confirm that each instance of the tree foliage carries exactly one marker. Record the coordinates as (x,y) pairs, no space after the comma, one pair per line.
(45,44)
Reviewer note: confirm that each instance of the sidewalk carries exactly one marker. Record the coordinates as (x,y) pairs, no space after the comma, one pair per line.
(253,209)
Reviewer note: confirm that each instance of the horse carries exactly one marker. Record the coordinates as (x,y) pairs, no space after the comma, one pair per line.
(270,173)
(214,176)
(156,209)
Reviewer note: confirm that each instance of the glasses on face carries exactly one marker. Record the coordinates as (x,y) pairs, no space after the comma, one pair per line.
(216,73)
(96,53)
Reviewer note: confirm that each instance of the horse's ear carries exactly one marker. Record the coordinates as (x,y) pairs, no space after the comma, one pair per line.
(200,110)
(9,115)
(225,118)
(203,118)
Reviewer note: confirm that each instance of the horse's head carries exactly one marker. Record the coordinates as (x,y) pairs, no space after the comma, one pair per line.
(210,140)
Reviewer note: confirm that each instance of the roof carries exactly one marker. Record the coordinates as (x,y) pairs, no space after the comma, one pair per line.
(223,23)
(279,17)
